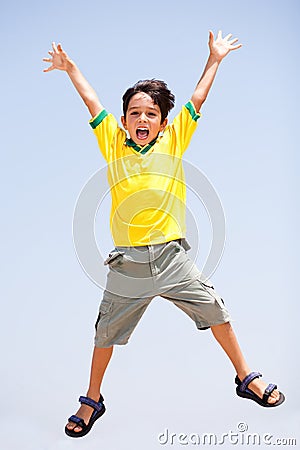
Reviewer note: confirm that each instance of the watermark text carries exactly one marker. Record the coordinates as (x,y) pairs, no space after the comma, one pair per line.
(240,436)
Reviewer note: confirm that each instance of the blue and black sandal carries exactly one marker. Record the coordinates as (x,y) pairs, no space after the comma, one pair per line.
(243,391)
(99,410)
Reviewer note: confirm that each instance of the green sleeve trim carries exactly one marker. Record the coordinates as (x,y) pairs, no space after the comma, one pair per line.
(191,109)
(98,119)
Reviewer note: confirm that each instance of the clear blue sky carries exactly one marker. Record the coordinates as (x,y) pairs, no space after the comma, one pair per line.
(170,375)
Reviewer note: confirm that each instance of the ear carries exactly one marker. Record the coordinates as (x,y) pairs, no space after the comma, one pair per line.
(163,125)
(123,120)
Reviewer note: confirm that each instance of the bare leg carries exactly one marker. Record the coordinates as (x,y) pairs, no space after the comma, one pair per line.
(225,336)
(100,360)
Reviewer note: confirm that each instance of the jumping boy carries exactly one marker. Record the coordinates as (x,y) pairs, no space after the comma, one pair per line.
(148,225)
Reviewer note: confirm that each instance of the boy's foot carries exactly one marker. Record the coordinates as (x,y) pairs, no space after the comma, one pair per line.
(258,387)
(85,413)
(254,389)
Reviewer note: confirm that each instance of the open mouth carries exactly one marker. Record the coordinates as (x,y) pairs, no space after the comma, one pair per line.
(142,133)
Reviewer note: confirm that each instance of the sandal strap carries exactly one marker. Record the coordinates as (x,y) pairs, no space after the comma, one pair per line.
(247,380)
(237,380)
(90,402)
(268,391)
(80,422)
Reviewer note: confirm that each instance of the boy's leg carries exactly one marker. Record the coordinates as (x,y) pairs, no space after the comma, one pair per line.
(100,360)
(225,336)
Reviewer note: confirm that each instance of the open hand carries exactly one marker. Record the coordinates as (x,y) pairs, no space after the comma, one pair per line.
(220,47)
(59,59)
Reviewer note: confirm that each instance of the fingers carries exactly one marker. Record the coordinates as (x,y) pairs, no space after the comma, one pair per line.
(225,41)
(54,53)
(228,36)
(235,47)
(210,37)
(233,41)
(56,50)
(61,51)
(48,60)
(49,69)
(54,47)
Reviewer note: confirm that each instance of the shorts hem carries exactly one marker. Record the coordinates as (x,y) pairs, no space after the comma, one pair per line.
(203,326)
(109,344)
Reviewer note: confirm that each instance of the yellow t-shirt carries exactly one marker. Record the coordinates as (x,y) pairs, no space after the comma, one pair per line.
(147,183)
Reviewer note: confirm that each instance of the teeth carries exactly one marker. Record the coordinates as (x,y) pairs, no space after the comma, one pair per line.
(143,129)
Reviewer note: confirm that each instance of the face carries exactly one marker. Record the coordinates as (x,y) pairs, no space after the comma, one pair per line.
(143,119)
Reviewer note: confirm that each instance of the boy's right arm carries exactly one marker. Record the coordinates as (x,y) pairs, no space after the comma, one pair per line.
(61,61)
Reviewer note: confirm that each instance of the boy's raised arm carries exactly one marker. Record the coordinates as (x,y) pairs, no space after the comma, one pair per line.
(219,48)
(61,61)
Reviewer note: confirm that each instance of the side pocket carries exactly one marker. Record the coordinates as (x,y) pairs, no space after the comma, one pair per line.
(185,244)
(114,257)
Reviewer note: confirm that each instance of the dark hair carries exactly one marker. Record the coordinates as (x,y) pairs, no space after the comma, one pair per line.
(157,90)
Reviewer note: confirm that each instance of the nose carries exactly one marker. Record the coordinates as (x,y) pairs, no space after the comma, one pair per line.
(143,117)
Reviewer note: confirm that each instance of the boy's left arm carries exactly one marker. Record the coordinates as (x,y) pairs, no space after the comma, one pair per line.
(219,48)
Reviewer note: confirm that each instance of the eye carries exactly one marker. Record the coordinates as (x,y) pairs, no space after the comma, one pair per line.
(152,114)
(133,113)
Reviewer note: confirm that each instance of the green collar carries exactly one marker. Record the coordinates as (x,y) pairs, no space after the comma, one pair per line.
(139,148)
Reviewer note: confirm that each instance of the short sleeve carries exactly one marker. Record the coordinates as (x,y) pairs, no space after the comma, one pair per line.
(184,126)
(107,132)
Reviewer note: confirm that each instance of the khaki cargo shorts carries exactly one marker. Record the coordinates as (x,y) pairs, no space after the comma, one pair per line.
(138,274)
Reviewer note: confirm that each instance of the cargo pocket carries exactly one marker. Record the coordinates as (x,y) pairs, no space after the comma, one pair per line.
(103,318)
(208,286)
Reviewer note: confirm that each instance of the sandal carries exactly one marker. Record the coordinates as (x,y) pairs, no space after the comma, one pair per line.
(243,391)
(99,410)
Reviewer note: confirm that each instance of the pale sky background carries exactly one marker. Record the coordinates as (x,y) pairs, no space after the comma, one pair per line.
(169,375)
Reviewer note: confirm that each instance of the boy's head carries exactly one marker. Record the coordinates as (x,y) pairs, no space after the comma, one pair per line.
(145,107)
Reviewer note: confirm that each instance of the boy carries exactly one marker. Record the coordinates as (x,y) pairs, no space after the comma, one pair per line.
(148,225)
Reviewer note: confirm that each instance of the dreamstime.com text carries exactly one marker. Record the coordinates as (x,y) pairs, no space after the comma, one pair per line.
(238,437)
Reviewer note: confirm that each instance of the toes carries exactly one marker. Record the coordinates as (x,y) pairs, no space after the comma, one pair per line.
(74,427)
(274,397)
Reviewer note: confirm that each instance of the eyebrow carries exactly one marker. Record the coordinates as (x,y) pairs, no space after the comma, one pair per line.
(149,107)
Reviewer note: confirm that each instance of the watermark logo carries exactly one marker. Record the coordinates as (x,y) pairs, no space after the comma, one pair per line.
(241,436)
